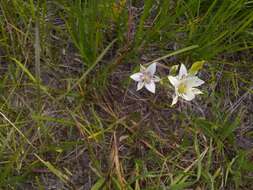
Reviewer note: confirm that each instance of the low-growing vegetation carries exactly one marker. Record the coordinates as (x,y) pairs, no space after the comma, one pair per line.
(70,114)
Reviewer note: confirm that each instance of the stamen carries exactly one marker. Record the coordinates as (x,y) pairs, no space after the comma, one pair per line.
(182,88)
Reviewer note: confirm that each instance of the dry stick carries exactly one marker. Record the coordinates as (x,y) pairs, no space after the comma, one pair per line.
(37,69)
(37,50)
(37,63)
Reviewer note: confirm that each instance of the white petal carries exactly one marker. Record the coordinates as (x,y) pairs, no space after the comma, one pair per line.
(140,85)
(156,79)
(136,77)
(175,99)
(194,82)
(196,91)
(189,95)
(173,80)
(151,68)
(182,71)
(150,86)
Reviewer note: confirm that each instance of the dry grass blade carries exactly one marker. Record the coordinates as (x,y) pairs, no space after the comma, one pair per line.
(115,161)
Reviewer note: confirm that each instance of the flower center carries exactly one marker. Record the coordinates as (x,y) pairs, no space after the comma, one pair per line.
(182,88)
(146,77)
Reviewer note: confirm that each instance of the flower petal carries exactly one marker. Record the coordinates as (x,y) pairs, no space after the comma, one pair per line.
(196,91)
(140,85)
(151,68)
(150,86)
(137,77)
(189,95)
(173,80)
(194,82)
(182,71)
(175,99)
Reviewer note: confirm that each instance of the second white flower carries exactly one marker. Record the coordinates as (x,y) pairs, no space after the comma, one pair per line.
(146,77)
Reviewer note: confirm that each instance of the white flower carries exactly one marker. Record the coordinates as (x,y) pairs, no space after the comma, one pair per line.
(146,77)
(185,84)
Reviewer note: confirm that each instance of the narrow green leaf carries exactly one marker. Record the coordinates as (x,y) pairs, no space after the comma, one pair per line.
(100,57)
(99,184)
(64,178)
(175,53)
(31,77)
